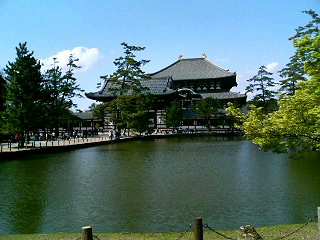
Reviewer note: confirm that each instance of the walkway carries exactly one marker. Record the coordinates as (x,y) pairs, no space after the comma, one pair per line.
(6,148)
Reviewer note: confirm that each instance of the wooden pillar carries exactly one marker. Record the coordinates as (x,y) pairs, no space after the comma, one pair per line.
(87,233)
(198,229)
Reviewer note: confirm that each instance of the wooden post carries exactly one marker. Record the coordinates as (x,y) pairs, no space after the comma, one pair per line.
(198,229)
(318,223)
(87,233)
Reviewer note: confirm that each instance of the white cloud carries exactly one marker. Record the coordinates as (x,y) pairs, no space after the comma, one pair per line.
(88,57)
(273,67)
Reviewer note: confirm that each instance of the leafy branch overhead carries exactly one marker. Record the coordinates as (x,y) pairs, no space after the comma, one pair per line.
(296,124)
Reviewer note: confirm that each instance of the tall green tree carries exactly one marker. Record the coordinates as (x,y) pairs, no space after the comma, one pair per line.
(2,100)
(2,92)
(128,74)
(173,116)
(60,90)
(292,73)
(209,109)
(24,92)
(311,29)
(261,84)
(123,82)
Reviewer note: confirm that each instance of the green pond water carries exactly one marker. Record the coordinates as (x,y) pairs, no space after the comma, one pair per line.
(157,186)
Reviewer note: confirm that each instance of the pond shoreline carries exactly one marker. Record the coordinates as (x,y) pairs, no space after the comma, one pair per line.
(18,153)
(268,232)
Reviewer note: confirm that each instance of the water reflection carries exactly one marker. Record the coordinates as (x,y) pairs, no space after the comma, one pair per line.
(157,186)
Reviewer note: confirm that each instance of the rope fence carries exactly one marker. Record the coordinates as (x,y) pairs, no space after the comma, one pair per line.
(248,231)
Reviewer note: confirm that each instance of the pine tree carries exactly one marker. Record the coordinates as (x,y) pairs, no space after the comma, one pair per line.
(123,82)
(294,71)
(128,74)
(60,89)
(24,93)
(262,84)
(291,74)
(2,92)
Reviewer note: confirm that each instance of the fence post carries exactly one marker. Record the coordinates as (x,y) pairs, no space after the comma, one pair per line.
(318,223)
(198,229)
(87,233)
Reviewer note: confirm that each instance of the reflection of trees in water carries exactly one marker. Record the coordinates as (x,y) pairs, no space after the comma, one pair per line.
(24,195)
(129,186)
(304,174)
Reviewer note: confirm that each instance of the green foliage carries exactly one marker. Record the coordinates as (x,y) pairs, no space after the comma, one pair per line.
(129,112)
(209,109)
(126,86)
(60,90)
(294,70)
(2,92)
(311,29)
(261,84)
(128,74)
(99,111)
(173,116)
(296,125)
(24,92)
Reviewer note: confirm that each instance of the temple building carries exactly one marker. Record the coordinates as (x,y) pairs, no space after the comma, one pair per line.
(187,80)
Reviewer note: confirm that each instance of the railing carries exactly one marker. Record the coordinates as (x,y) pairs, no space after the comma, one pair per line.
(198,226)
(9,147)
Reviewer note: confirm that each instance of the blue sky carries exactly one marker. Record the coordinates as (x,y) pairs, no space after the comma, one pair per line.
(240,35)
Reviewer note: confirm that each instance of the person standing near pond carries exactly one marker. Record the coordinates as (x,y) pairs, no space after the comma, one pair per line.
(111,134)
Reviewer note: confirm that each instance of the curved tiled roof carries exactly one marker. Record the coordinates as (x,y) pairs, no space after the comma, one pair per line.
(193,68)
(156,86)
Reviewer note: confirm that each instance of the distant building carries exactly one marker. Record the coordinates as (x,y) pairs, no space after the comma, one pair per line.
(188,80)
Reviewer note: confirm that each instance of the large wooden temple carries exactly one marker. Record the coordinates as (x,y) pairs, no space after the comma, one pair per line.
(187,80)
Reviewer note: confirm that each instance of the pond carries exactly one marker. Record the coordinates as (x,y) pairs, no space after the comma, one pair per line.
(157,186)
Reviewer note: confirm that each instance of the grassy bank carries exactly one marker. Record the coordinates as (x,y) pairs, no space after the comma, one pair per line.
(308,232)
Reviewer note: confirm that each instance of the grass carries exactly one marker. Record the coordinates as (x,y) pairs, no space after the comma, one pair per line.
(308,232)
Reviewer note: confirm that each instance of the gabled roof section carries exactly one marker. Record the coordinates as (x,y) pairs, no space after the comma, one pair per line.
(156,86)
(193,68)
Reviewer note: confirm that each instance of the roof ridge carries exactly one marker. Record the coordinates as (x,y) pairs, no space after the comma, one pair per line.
(216,65)
(151,74)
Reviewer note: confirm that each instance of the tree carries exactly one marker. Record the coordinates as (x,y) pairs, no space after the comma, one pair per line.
(2,92)
(311,29)
(292,74)
(128,74)
(262,84)
(125,81)
(24,93)
(60,90)
(139,116)
(294,70)
(173,116)
(296,125)
(209,109)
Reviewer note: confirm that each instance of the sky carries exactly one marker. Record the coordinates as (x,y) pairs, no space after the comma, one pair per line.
(239,35)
